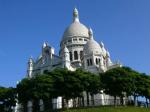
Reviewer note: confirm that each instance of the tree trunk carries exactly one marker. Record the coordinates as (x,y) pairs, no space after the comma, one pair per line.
(48,104)
(146,101)
(83,101)
(135,102)
(62,103)
(74,102)
(121,100)
(115,103)
(92,99)
(79,101)
(87,95)
(35,106)
(24,107)
(67,106)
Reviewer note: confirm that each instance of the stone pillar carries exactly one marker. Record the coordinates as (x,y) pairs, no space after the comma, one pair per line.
(29,106)
(93,59)
(102,99)
(72,55)
(41,104)
(79,55)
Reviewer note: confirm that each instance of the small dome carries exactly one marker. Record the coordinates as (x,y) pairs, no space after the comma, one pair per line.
(92,47)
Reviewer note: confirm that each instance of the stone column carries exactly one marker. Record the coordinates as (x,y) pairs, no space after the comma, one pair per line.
(41,104)
(78,55)
(72,55)
(29,106)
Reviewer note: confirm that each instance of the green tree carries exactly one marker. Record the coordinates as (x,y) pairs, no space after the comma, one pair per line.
(7,99)
(135,84)
(59,82)
(66,84)
(119,82)
(91,83)
(144,86)
(34,89)
(24,92)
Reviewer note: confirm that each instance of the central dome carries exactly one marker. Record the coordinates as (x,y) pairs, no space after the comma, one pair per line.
(76,29)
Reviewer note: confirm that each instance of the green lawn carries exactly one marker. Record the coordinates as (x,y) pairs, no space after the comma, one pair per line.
(111,109)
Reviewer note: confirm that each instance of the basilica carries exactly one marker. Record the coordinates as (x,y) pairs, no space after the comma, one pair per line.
(78,49)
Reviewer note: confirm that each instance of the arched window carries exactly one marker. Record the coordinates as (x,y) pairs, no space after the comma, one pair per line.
(81,54)
(90,61)
(70,53)
(75,55)
(97,61)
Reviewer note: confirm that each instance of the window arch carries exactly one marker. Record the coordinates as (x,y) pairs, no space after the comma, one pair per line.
(81,54)
(70,53)
(91,62)
(75,55)
(97,61)
(88,62)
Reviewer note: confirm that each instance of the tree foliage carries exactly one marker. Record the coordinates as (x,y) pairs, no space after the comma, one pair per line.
(59,82)
(124,81)
(117,82)
(7,99)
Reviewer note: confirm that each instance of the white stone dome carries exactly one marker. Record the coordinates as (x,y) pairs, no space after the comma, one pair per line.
(76,29)
(92,46)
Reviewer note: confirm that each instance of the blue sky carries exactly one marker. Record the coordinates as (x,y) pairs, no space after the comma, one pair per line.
(123,26)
